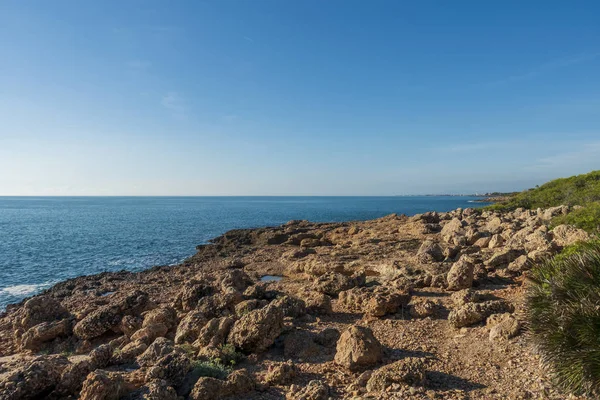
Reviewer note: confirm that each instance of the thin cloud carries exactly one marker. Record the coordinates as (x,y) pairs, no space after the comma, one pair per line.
(588,153)
(547,67)
(248,39)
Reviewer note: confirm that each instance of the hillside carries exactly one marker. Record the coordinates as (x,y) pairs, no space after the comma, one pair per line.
(580,190)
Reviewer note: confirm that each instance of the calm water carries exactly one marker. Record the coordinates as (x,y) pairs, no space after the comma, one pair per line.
(47,239)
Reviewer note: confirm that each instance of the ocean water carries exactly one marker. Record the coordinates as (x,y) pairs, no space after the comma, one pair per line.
(44,240)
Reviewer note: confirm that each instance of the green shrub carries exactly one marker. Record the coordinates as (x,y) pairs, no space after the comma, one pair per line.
(229,355)
(563,317)
(576,190)
(211,369)
(587,218)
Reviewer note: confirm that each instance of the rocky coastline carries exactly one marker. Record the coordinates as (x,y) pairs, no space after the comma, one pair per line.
(422,307)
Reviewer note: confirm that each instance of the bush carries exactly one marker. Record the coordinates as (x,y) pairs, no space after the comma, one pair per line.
(587,218)
(563,315)
(211,369)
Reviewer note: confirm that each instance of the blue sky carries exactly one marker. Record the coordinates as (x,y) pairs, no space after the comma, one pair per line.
(293,97)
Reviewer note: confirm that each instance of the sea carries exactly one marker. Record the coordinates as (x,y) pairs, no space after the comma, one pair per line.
(44,240)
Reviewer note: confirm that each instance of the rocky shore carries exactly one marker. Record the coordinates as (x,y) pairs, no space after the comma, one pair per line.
(423,307)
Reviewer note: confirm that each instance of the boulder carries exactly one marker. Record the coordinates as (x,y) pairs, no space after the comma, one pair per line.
(409,371)
(72,378)
(430,251)
(157,350)
(165,316)
(100,357)
(190,294)
(460,275)
(36,336)
(520,264)
(290,306)
(37,310)
(238,383)
(566,235)
(314,390)
(214,332)
(504,257)
(150,332)
(190,326)
(33,380)
(172,368)
(130,324)
(256,331)
(101,385)
(423,309)
(453,228)
(331,283)
(473,313)
(158,390)
(358,349)
(504,327)
(374,301)
(281,373)
(109,317)
(496,241)
(465,296)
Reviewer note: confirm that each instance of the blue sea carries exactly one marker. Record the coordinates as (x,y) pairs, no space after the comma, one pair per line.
(44,240)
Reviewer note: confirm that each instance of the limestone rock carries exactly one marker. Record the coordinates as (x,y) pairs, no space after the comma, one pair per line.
(473,313)
(408,371)
(460,275)
(281,373)
(357,348)
(331,283)
(505,327)
(565,235)
(430,251)
(214,332)
(314,390)
(36,336)
(190,326)
(256,331)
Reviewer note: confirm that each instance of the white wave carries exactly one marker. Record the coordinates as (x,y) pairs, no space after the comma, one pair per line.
(24,290)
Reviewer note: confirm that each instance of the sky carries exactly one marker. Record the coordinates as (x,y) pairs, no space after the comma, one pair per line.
(296,97)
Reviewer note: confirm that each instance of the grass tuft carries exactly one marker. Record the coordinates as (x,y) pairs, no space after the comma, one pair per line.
(563,315)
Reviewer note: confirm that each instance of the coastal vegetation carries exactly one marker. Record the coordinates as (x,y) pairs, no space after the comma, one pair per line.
(564,317)
(580,190)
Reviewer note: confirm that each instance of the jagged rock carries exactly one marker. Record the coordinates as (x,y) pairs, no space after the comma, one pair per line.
(465,296)
(129,352)
(130,324)
(36,336)
(281,373)
(315,390)
(552,212)
(374,301)
(246,306)
(256,331)
(100,356)
(483,242)
(38,310)
(101,385)
(158,349)
(460,275)
(494,226)
(150,332)
(454,227)
(316,302)
(430,251)
(190,294)
(473,313)
(190,326)
(328,337)
(236,279)
(290,306)
(165,316)
(159,390)
(408,371)
(504,257)
(109,317)
(172,368)
(357,348)
(332,283)
(33,380)
(214,332)
(505,326)
(423,309)
(238,382)
(520,264)
(72,378)
(496,241)
(565,235)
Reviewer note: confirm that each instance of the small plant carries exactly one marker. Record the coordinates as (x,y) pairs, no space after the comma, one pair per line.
(211,369)
(229,355)
(67,353)
(586,218)
(117,351)
(563,315)
(188,349)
